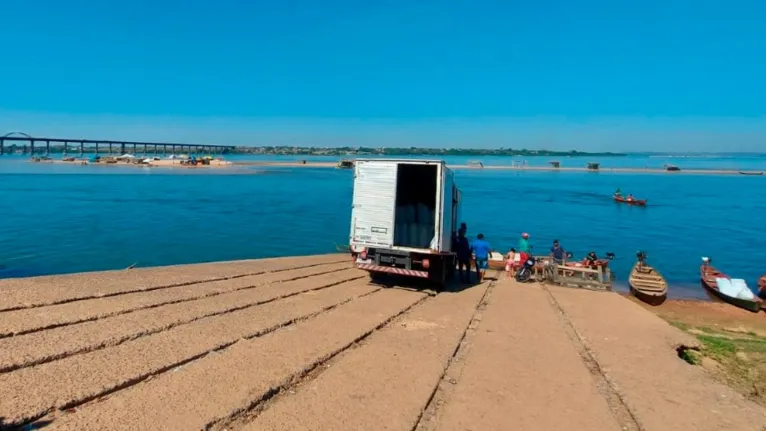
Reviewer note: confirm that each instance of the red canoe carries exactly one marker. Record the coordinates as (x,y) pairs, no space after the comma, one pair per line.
(640,202)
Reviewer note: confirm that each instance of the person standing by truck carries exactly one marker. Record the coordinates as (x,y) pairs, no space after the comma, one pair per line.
(455,235)
(463,251)
(481,251)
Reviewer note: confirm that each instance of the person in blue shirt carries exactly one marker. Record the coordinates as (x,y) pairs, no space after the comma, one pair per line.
(481,251)
(557,253)
(463,251)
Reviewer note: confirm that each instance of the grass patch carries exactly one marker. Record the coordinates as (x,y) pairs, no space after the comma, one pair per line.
(718,347)
(737,359)
(690,355)
(756,345)
(724,345)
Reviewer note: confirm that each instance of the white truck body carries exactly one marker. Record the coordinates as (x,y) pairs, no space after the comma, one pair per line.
(374,201)
(377,184)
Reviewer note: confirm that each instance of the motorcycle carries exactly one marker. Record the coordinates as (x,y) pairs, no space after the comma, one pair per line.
(525,272)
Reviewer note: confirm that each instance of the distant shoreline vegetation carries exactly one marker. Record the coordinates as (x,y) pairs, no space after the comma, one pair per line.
(328,151)
(411,151)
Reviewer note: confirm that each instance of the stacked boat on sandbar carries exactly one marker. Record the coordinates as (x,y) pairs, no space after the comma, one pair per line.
(733,291)
(648,285)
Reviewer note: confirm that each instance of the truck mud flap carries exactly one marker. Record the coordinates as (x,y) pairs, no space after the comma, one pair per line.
(392,270)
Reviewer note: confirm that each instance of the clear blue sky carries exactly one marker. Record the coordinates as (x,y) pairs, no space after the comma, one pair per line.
(589,74)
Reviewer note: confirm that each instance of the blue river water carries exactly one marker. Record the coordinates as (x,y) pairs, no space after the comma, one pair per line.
(64,218)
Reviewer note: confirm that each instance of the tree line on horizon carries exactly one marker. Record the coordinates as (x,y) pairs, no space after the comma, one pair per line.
(356,151)
(411,151)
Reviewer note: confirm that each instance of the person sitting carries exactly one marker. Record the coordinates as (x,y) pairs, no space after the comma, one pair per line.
(521,258)
(618,193)
(630,198)
(591,260)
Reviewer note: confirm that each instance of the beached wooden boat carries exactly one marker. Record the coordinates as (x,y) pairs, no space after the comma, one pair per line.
(599,263)
(496,261)
(709,276)
(622,200)
(647,284)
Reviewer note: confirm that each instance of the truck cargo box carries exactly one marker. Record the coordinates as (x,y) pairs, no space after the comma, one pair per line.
(404,217)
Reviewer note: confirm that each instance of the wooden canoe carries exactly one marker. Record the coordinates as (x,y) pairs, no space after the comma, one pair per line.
(750,173)
(496,261)
(647,284)
(638,202)
(708,276)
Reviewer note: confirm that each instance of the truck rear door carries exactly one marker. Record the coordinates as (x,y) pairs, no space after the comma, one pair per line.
(372,213)
(446,211)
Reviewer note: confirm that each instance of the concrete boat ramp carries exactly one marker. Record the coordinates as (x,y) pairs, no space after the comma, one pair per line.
(307,344)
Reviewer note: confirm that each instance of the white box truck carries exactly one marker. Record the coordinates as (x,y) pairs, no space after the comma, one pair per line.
(404,217)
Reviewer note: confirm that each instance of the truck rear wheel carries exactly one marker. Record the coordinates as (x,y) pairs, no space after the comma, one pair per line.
(439,272)
(377,277)
(451,263)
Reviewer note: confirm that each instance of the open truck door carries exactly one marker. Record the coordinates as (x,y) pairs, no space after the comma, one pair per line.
(404,217)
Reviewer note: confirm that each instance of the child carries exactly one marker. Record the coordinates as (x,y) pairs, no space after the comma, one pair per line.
(510,263)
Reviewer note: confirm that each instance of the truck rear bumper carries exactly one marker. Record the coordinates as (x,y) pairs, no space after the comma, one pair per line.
(392,270)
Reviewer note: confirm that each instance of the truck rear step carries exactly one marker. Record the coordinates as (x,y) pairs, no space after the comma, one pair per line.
(392,270)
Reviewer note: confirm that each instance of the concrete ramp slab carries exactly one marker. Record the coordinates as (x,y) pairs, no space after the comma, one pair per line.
(523,373)
(635,351)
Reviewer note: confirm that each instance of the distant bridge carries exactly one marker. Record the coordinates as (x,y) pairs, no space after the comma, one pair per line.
(32,145)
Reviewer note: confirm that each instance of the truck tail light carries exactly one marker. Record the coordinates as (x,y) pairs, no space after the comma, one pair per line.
(363,254)
(426,263)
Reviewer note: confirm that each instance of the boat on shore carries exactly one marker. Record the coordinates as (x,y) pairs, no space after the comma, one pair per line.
(496,261)
(583,263)
(637,202)
(646,283)
(731,291)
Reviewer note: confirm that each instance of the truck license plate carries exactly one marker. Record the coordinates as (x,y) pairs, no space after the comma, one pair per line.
(363,261)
